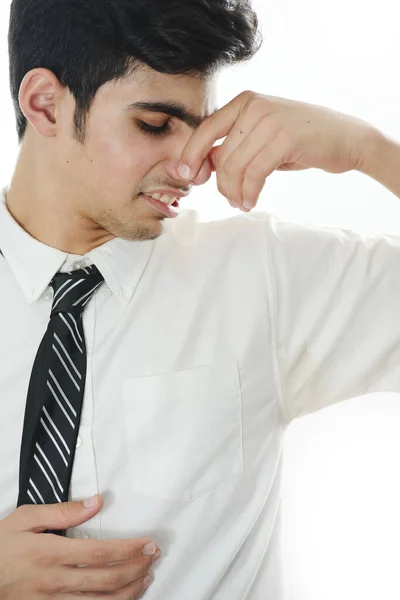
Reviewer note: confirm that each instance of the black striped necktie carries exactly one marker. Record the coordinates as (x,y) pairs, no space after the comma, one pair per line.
(55,394)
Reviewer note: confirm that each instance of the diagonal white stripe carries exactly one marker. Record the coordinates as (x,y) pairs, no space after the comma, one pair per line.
(50,467)
(61,288)
(60,405)
(67,355)
(71,287)
(31,497)
(86,301)
(36,490)
(88,294)
(56,429)
(62,393)
(47,477)
(71,316)
(72,333)
(54,441)
(66,368)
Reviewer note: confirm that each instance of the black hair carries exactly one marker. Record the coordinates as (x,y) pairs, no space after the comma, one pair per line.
(87,43)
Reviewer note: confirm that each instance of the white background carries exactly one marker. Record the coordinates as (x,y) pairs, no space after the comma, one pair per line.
(341,489)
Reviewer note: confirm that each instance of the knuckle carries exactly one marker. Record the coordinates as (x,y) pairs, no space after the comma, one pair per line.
(50,584)
(67,553)
(257,109)
(44,561)
(44,553)
(66,509)
(254,100)
(100,556)
(112,581)
(247,94)
(86,582)
(257,104)
(70,556)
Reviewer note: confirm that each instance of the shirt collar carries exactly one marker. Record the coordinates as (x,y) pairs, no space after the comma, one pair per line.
(34,264)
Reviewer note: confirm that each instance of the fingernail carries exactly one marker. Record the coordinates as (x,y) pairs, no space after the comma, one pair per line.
(150,549)
(233,204)
(157,556)
(247,205)
(147,582)
(90,502)
(184,171)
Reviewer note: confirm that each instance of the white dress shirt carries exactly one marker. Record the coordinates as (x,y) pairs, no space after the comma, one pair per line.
(203,345)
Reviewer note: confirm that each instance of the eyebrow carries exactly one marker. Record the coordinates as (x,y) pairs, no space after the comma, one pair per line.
(173,109)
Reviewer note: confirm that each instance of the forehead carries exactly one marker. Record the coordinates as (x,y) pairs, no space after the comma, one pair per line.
(196,94)
(145,77)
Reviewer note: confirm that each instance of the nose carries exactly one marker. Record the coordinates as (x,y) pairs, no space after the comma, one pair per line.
(201,178)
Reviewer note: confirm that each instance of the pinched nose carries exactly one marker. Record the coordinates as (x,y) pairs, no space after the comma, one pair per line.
(201,178)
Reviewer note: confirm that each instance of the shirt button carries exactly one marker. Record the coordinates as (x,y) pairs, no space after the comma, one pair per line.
(107,291)
(78,442)
(81,264)
(47,297)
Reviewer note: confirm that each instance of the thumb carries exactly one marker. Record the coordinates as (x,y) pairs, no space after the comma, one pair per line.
(59,516)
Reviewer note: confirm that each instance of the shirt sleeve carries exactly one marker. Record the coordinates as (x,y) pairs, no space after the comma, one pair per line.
(335,297)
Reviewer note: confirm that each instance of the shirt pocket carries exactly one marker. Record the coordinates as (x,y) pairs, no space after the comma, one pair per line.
(183,430)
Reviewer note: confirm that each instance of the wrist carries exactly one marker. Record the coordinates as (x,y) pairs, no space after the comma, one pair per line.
(380,159)
(371,150)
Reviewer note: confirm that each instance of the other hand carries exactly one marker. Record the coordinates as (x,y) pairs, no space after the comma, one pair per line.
(37,565)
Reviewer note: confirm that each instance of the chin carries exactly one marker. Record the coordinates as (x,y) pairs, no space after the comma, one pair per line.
(143,231)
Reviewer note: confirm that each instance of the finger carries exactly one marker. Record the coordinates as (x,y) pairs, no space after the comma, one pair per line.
(212,158)
(262,166)
(104,552)
(237,155)
(58,516)
(107,578)
(132,591)
(213,128)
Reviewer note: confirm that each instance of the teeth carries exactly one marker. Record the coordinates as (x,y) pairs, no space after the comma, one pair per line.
(166,199)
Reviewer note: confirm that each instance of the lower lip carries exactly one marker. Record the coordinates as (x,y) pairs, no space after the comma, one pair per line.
(171,211)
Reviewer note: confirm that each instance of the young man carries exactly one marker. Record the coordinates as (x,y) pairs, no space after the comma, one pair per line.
(158,367)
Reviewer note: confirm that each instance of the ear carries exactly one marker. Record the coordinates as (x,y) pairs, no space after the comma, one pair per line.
(39,97)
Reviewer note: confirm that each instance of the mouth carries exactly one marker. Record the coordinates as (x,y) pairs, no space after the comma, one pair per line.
(169,210)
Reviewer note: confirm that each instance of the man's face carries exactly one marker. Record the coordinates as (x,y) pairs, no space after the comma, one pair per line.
(119,160)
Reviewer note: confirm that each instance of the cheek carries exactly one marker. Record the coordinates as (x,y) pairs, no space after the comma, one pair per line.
(122,161)
(113,152)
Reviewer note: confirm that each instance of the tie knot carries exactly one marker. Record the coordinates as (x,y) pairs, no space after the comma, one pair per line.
(72,291)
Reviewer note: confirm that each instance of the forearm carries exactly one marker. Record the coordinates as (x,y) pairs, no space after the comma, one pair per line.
(381,160)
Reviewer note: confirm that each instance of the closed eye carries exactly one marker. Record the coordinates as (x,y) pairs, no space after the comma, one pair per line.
(152,130)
